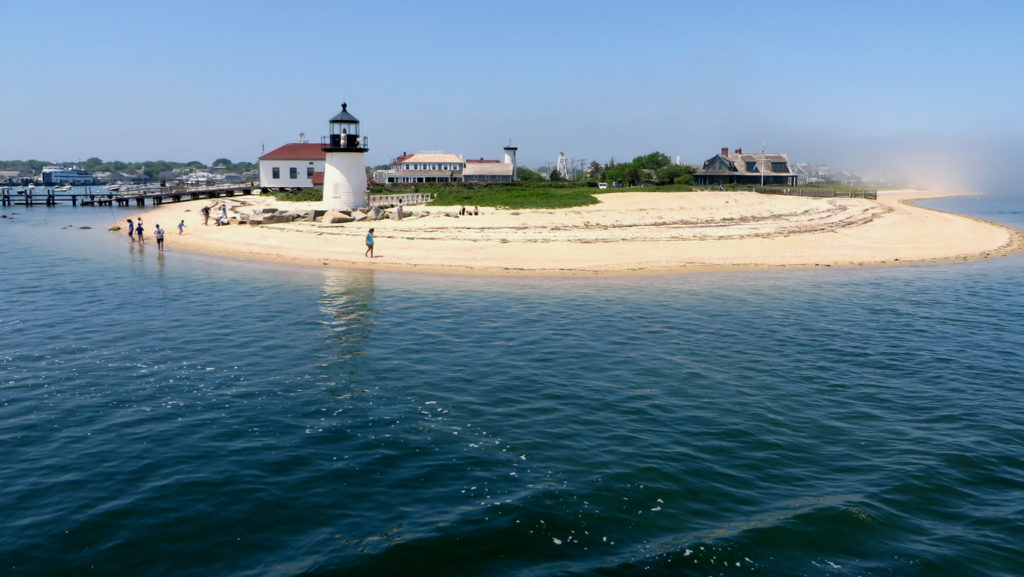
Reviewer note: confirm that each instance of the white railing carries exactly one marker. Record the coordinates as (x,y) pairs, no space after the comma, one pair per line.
(407,199)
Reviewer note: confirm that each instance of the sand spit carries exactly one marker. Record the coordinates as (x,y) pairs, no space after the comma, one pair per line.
(626,233)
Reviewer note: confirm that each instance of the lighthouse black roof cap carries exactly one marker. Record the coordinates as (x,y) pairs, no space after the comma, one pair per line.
(344,116)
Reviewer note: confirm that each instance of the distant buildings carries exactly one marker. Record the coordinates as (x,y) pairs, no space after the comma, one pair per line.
(427,167)
(770,168)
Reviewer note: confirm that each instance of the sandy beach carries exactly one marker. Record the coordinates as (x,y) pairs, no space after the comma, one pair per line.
(625,233)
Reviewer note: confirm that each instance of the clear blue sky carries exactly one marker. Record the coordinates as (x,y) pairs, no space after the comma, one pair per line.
(826,82)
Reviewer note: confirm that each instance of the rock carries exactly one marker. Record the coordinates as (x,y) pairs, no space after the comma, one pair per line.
(256,220)
(298,214)
(378,213)
(277,218)
(319,213)
(359,215)
(336,217)
(269,210)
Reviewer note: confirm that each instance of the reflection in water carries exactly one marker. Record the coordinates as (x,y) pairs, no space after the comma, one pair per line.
(347,304)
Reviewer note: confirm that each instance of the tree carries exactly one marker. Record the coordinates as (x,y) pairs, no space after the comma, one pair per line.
(595,171)
(555,175)
(617,173)
(635,175)
(222,162)
(652,161)
(526,174)
(672,173)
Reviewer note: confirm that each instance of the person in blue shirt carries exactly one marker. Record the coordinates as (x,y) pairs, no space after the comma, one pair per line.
(131,230)
(369,244)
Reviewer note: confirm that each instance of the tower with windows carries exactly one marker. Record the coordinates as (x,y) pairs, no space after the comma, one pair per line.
(344,166)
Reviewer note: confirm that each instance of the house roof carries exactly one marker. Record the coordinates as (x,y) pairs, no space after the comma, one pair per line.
(434,157)
(737,164)
(344,116)
(488,169)
(297,151)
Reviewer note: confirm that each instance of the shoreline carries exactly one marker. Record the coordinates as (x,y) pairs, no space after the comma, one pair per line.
(627,233)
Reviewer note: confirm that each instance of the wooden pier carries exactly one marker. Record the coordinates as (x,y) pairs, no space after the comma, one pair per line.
(155,196)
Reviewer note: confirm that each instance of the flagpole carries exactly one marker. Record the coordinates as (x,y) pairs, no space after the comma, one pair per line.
(762,165)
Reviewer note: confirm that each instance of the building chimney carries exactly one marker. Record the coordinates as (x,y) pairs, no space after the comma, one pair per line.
(725,151)
(739,151)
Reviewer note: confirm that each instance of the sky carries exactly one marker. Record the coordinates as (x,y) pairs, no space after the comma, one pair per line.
(851,84)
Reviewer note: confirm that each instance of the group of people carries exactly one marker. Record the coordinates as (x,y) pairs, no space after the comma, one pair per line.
(135,231)
(464,212)
(222,219)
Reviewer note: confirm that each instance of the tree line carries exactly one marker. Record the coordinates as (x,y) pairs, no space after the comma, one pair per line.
(151,168)
(654,168)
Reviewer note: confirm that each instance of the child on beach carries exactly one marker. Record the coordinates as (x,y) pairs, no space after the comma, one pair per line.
(369,244)
(131,230)
(159,232)
(181,226)
(138,231)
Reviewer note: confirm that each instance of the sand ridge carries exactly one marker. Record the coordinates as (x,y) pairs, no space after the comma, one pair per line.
(625,233)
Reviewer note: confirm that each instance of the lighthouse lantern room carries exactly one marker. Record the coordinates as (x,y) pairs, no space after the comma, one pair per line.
(344,167)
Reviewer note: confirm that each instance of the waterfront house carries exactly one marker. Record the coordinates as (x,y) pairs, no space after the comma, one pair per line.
(293,166)
(424,167)
(768,168)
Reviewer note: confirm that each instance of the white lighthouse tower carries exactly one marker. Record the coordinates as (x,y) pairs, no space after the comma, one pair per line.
(510,158)
(344,167)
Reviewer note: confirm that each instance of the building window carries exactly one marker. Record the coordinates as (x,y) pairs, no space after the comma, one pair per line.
(275,172)
(309,172)
(751,166)
(779,167)
(293,173)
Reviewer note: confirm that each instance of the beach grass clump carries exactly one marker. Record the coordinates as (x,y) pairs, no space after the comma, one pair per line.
(301,195)
(515,196)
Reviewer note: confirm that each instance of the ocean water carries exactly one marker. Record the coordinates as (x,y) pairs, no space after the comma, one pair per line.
(181,414)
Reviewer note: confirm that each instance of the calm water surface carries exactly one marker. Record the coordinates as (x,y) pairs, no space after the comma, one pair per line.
(180,414)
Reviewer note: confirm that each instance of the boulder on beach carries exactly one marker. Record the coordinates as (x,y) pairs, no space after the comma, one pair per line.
(336,217)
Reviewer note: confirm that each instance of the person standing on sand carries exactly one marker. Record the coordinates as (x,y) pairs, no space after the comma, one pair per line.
(206,216)
(131,230)
(138,231)
(399,209)
(181,227)
(159,232)
(369,244)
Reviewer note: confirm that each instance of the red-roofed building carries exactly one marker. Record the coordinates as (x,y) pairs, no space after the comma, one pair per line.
(292,166)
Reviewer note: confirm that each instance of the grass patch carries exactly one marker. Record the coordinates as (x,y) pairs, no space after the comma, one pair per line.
(303,195)
(512,196)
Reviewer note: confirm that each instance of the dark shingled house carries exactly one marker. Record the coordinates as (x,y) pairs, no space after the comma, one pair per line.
(746,169)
